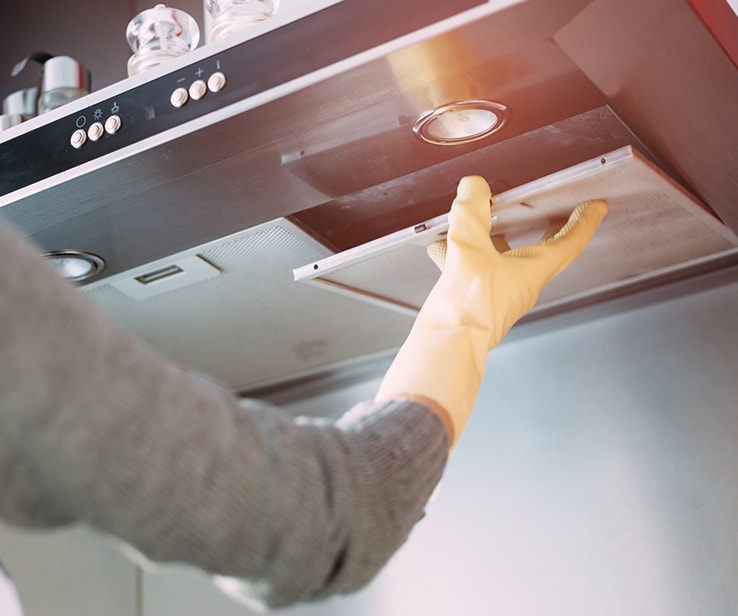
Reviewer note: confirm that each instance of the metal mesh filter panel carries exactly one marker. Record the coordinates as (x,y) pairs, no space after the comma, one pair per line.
(653,227)
(252,325)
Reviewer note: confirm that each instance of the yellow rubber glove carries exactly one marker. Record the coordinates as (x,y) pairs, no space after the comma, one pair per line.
(480,294)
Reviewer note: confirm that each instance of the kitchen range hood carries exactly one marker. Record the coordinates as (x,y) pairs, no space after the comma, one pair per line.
(273,230)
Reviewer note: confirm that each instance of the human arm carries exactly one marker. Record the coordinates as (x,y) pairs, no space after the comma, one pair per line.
(479,296)
(95,428)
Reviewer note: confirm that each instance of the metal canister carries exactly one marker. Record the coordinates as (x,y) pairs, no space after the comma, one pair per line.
(63,79)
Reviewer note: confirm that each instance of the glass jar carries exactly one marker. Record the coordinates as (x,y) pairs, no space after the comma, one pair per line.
(159,34)
(227,17)
(22,102)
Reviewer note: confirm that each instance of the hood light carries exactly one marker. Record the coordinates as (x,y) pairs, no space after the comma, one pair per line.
(462,122)
(75,265)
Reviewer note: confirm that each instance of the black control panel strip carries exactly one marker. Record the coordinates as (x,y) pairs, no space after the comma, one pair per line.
(215,82)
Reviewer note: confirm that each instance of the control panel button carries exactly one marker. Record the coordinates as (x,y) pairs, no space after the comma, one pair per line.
(179,97)
(113,124)
(216,82)
(78,138)
(198,89)
(95,131)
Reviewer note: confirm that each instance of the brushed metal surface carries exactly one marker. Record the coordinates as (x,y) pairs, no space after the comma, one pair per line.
(671,82)
(234,170)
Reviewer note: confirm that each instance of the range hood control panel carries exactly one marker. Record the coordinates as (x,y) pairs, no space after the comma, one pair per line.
(128,117)
(102,126)
(223,81)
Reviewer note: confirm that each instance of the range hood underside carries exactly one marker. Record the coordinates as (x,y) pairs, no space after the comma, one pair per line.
(248,323)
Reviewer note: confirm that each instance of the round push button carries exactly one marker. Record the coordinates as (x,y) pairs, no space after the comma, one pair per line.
(216,82)
(78,138)
(113,124)
(198,89)
(179,97)
(95,131)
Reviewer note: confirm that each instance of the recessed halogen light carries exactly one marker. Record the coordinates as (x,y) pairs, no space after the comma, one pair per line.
(75,265)
(462,122)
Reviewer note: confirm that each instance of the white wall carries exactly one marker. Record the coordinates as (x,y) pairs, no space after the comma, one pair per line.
(599,475)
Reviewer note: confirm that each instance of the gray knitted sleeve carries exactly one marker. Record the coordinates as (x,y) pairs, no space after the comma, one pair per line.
(96,428)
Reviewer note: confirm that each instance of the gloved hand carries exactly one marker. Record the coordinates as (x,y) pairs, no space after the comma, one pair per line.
(480,294)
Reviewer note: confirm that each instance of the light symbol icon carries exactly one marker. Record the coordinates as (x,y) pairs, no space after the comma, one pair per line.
(98,114)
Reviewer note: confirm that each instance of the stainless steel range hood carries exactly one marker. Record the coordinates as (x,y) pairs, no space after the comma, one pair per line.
(202,212)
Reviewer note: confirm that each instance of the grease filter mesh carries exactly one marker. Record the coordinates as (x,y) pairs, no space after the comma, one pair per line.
(653,227)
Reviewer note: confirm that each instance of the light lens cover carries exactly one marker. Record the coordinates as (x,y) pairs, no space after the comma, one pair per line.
(75,265)
(462,122)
